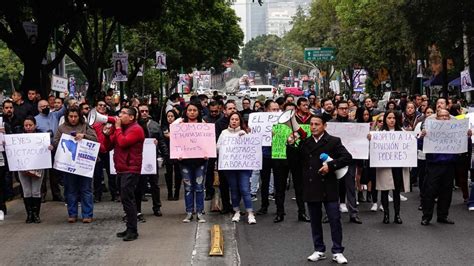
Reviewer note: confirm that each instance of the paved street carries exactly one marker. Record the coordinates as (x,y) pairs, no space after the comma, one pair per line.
(167,241)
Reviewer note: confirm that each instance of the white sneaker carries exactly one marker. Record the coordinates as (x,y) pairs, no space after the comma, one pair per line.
(339,258)
(188,218)
(343,208)
(381,208)
(374,207)
(403,198)
(200,218)
(471,208)
(251,218)
(317,255)
(390,199)
(2,216)
(236,217)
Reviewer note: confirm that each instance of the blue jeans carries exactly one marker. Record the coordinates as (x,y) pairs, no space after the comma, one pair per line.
(239,183)
(254,182)
(470,202)
(193,180)
(75,186)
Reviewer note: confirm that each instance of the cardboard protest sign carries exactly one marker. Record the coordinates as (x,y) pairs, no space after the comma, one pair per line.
(240,152)
(120,65)
(149,164)
(353,137)
(76,157)
(280,136)
(445,136)
(59,83)
(262,123)
(393,149)
(192,140)
(28,151)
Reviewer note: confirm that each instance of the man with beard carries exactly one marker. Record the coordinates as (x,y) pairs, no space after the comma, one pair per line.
(212,117)
(328,109)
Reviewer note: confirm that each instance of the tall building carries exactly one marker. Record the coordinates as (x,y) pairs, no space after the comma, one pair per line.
(252,18)
(273,17)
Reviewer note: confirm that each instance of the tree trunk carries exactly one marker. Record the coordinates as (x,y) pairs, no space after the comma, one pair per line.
(31,76)
(445,77)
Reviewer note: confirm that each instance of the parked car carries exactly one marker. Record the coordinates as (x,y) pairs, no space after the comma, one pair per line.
(231,90)
(295,91)
(243,93)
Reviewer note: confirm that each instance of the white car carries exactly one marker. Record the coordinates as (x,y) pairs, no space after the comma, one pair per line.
(243,93)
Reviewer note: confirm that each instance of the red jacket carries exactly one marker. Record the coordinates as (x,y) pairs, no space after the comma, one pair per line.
(127,143)
(100,134)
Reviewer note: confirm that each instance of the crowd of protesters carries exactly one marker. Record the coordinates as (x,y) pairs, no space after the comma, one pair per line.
(130,122)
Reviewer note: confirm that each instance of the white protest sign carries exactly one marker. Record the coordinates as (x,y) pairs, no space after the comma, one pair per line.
(393,149)
(76,157)
(148,158)
(28,151)
(120,66)
(192,140)
(445,136)
(262,123)
(59,84)
(353,137)
(240,152)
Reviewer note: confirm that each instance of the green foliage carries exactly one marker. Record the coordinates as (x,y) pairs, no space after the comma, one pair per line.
(10,68)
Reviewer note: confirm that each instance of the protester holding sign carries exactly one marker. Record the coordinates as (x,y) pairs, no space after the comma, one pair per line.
(31,181)
(239,180)
(440,169)
(193,171)
(76,186)
(392,178)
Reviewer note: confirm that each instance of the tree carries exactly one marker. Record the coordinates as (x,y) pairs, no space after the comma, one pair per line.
(48,16)
(258,50)
(10,68)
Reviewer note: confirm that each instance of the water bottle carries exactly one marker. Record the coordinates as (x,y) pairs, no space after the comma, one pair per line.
(324,157)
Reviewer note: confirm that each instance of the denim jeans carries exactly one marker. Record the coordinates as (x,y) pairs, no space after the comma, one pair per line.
(75,186)
(194,181)
(254,182)
(239,183)
(470,202)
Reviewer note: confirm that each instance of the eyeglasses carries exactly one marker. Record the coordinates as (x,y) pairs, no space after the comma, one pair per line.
(86,108)
(144,111)
(342,108)
(101,105)
(379,121)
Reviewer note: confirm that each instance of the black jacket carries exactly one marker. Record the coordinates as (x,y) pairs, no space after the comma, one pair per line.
(317,187)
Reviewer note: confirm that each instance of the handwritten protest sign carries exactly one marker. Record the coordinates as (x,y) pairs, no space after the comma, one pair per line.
(262,123)
(28,151)
(280,136)
(148,158)
(59,83)
(192,140)
(393,149)
(76,157)
(445,136)
(353,137)
(240,152)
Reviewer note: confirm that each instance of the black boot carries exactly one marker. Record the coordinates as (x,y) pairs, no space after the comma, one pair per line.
(176,194)
(36,202)
(29,211)
(397,219)
(386,217)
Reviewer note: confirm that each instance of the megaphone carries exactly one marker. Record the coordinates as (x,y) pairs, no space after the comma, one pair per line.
(95,117)
(288,118)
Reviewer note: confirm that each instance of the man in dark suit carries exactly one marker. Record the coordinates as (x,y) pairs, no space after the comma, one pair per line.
(320,185)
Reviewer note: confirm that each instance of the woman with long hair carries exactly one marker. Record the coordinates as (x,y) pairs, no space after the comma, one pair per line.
(193,171)
(171,165)
(392,178)
(76,186)
(31,181)
(239,180)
